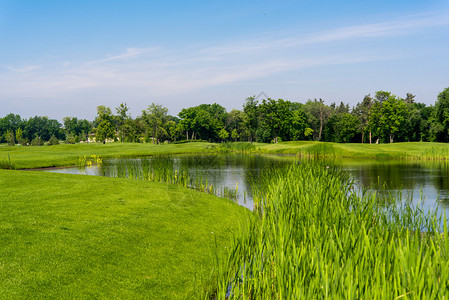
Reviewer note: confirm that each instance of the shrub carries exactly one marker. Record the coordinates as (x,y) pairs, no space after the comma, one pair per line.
(53,141)
(37,141)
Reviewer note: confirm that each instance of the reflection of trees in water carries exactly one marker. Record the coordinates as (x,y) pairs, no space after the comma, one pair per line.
(399,175)
(223,170)
(228,169)
(408,178)
(442,178)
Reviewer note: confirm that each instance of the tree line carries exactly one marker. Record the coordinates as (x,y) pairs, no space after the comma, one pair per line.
(381,118)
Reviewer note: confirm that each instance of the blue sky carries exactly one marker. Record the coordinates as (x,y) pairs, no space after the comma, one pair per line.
(64,58)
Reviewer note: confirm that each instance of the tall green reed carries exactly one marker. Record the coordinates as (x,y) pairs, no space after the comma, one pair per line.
(7,164)
(165,169)
(435,153)
(314,237)
(320,150)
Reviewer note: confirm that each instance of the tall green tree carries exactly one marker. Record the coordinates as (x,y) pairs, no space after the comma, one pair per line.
(10,138)
(275,120)
(251,120)
(235,122)
(300,126)
(124,127)
(203,121)
(442,115)
(363,112)
(388,116)
(156,119)
(318,113)
(105,129)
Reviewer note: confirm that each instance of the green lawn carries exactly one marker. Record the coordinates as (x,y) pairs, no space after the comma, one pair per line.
(74,236)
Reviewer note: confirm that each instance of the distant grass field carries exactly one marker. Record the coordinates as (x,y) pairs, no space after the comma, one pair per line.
(77,237)
(410,150)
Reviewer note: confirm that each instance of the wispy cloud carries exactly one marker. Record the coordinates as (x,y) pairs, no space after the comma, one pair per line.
(24,69)
(402,26)
(130,53)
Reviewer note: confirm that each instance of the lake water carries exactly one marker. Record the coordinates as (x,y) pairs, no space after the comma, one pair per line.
(425,182)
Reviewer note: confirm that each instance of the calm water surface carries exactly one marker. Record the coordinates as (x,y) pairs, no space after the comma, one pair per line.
(424,182)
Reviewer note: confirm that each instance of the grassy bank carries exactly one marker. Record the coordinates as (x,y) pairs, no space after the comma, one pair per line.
(68,155)
(69,236)
(316,239)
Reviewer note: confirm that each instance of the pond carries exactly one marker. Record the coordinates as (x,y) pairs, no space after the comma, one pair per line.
(418,181)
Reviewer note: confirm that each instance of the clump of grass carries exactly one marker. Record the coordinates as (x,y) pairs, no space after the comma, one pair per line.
(314,237)
(319,150)
(7,164)
(435,153)
(241,147)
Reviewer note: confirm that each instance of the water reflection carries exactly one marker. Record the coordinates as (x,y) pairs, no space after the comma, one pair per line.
(415,180)
(426,181)
(232,171)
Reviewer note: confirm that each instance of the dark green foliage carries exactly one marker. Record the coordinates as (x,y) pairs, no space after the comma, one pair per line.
(76,130)
(385,118)
(42,127)
(442,115)
(203,122)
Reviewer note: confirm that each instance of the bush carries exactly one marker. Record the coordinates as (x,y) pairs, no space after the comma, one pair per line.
(37,141)
(53,141)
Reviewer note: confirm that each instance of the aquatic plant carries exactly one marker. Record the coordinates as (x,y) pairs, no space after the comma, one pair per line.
(314,237)
(162,169)
(93,159)
(435,153)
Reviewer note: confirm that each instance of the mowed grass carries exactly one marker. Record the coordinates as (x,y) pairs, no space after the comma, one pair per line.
(72,236)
